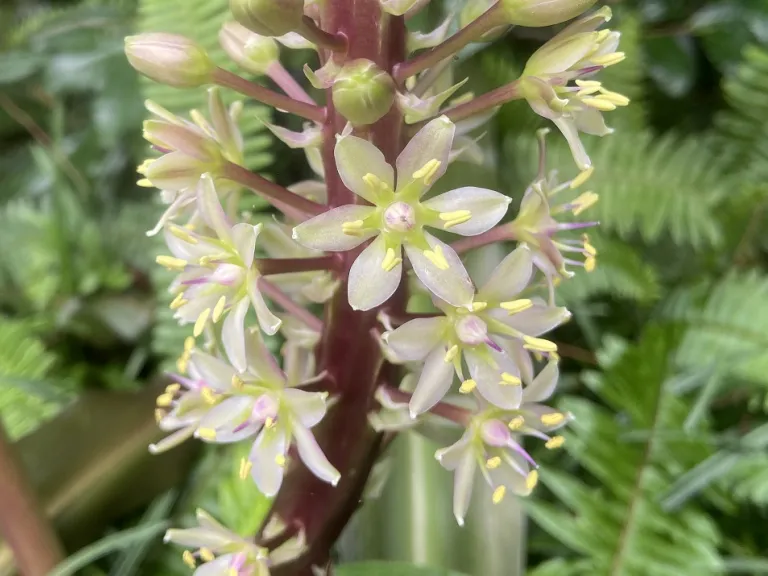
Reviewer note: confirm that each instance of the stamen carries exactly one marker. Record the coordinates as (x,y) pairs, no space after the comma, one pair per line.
(189,343)
(609,59)
(588,83)
(269,422)
(516,423)
(467,386)
(552,419)
(498,494)
(172,388)
(451,353)
(452,219)
(515,306)
(142,168)
(175,264)
(532,480)
(178,302)
(436,257)
(391,260)
(479,306)
(280,460)
(189,559)
(183,234)
(206,433)
(508,379)
(164,400)
(237,382)
(159,415)
(208,395)
(218,310)
(428,171)
(539,344)
(590,263)
(207,555)
(599,104)
(555,442)
(582,177)
(200,323)
(493,463)
(245,468)
(181,364)
(353,228)
(588,248)
(374,183)
(584,201)
(615,98)
(145,183)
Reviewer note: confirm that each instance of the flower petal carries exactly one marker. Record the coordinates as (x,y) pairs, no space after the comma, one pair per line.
(325,232)
(355,158)
(543,385)
(215,373)
(226,419)
(435,381)
(233,335)
(486,206)
(313,457)
(211,210)
(244,239)
(510,277)
(433,142)
(451,457)
(568,127)
(312,135)
(591,121)
(268,322)
(489,380)
(463,479)
(197,538)
(172,440)
(261,363)
(369,283)
(215,567)
(412,341)
(538,320)
(308,407)
(451,284)
(266,472)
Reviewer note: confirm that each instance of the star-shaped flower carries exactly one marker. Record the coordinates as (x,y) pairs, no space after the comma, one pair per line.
(397,218)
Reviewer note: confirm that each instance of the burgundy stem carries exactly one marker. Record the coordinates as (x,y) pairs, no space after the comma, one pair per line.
(450,47)
(442,409)
(310,31)
(271,266)
(280,76)
(23,524)
(281,102)
(286,303)
(501,233)
(485,102)
(292,205)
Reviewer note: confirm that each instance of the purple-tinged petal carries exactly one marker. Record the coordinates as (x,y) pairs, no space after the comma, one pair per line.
(489,379)
(211,210)
(355,158)
(308,407)
(266,455)
(313,457)
(326,231)
(449,280)
(217,567)
(435,381)
(486,207)
(369,283)
(215,373)
(412,341)
(312,135)
(509,278)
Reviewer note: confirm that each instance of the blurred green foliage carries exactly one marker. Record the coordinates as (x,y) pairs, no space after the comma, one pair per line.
(665,469)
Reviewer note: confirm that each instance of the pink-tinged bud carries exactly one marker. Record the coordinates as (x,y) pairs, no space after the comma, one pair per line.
(170,59)
(535,13)
(250,51)
(268,17)
(362,92)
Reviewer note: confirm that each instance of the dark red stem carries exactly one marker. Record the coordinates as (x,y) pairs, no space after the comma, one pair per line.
(271,266)
(227,79)
(486,102)
(286,303)
(442,409)
(500,233)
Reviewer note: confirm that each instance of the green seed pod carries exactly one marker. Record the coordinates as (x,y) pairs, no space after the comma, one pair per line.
(268,17)
(362,92)
(170,59)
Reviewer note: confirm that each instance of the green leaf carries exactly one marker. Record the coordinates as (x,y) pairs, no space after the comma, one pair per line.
(672,63)
(19,66)
(389,569)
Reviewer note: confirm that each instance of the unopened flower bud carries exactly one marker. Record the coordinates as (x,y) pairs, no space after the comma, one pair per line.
(362,92)
(268,17)
(250,51)
(535,13)
(169,58)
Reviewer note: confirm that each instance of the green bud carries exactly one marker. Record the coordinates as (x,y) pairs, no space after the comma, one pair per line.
(535,13)
(472,11)
(170,59)
(362,92)
(251,51)
(268,17)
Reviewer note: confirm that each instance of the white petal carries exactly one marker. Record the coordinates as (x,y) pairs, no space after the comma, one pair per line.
(521,357)
(510,277)
(591,121)
(463,479)
(216,373)
(355,158)
(568,127)
(538,320)
(233,335)
(451,457)
(435,381)
(308,407)
(413,340)
(543,385)
(261,363)
(488,379)
(433,142)
(487,208)
(197,538)
(211,210)
(311,136)
(217,567)
(268,322)
(452,285)
(313,457)
(227,416)
(369,284)
(172,440)
(244,238)
(324,232)
(266,472)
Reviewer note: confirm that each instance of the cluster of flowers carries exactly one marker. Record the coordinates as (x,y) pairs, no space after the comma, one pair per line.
(229,388)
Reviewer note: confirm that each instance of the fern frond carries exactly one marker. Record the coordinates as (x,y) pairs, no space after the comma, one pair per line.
(648,186)
(201,20)
(616,525)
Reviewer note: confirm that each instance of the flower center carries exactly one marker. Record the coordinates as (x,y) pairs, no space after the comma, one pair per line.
(264,409)
(471,330)
(400,217)
(495,433)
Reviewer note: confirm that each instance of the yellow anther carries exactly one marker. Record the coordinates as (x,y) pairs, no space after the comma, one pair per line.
(189,559)
(584,201)
(588,83)
(206,555)
(172,388)
(232,572)
(353,228)
(552,419)
(587,91)
(269,422)
(539,344)
(159,414)
(390,260)
(452,352)
(237,382)
(446,216)
(189,343)
(176,264)
(436,257)
(428,171)
(602,35)
(609,59)
(493,463)
(498,494)
(555,442)
(515,306)
(144,183)
(178,302)
(374,183)
(516,423)
(467,386)
(218,310)
(599,104)
(206,433)
(165,400)
(508,379)
(181,365)
(245,468)
(208,395)
(200,322)
(205,260)
(456,222)
(590,263)
(479,306)
(142,168)
(583,176)
(588,248)
(280,460)
(615,98)
(532,480)
(183,234)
